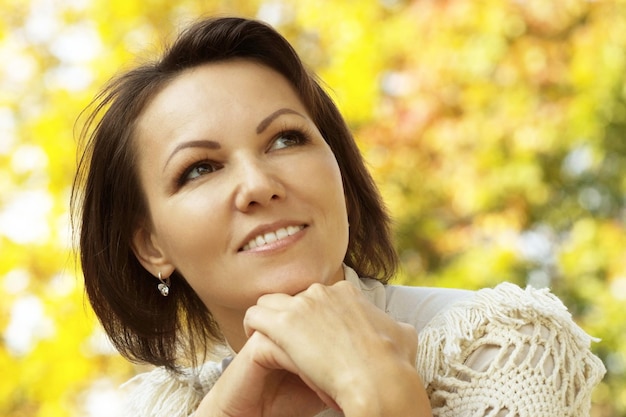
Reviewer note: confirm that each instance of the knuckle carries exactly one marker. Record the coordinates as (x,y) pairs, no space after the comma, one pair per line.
(410,339)
(263,299)
(305,303)
(316,288)
(284,319)
(345,285)
(347,288)
(250,314)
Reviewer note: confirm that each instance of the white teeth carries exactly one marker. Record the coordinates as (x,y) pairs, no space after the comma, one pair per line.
(272,237)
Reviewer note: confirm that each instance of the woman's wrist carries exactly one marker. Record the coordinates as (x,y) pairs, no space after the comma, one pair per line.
(400,393)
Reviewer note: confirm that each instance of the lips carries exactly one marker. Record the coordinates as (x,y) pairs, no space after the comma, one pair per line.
(263,239)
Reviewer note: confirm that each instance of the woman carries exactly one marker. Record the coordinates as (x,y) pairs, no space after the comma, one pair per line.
(223,202)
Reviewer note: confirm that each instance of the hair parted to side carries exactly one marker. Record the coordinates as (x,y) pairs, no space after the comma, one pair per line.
(108,203)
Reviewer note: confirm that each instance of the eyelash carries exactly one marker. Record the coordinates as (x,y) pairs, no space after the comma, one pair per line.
(183,177)
(301,136)
(298,136)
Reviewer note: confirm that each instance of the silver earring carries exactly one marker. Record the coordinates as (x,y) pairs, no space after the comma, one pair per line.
(164,285)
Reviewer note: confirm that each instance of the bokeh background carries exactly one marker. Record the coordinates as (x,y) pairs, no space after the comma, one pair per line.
(495,128)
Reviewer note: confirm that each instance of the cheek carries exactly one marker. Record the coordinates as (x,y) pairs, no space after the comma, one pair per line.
(189,231)
(335,183)
(330,191)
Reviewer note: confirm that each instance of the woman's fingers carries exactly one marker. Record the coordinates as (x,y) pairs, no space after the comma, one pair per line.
(267,355)
(326,315)
(330,335)
(269,302)
(257,384)
(345,349)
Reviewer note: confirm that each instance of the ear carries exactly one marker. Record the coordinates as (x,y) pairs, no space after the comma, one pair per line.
(149,253)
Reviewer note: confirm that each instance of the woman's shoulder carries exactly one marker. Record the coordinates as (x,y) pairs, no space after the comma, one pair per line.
(163,393)
(419,305)
(508,348)
(413,305)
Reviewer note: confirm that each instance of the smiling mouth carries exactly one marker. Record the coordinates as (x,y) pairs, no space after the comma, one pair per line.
(270,237)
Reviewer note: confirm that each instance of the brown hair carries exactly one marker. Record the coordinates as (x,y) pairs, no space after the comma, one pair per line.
(108,202)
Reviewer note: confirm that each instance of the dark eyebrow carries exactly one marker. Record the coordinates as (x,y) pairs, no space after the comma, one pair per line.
(269,119)
(208,144)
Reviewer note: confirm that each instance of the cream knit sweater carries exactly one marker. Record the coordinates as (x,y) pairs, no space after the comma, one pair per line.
(502,352)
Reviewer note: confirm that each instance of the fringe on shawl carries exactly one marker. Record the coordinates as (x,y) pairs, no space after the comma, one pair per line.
(160,393)
(506,303)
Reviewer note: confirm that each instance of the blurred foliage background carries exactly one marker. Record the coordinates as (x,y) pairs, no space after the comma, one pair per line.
(495,128)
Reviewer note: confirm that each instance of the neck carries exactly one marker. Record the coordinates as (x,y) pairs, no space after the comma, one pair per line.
(231,326)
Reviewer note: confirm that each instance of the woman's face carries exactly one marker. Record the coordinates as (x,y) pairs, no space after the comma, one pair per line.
(245,197)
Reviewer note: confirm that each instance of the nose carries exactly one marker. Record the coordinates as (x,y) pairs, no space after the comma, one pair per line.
(258,184)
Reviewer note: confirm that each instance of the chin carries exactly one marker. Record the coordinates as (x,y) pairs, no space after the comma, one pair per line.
(297,278)
(288,286)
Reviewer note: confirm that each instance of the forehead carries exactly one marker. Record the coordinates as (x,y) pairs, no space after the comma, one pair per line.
(238,86)
(236,78)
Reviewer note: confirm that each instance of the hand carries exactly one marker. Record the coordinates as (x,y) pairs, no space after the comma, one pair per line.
(254,385)
(327,346)
(343,348)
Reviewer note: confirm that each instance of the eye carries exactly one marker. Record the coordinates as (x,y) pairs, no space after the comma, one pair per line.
(197,170)
(289,138)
